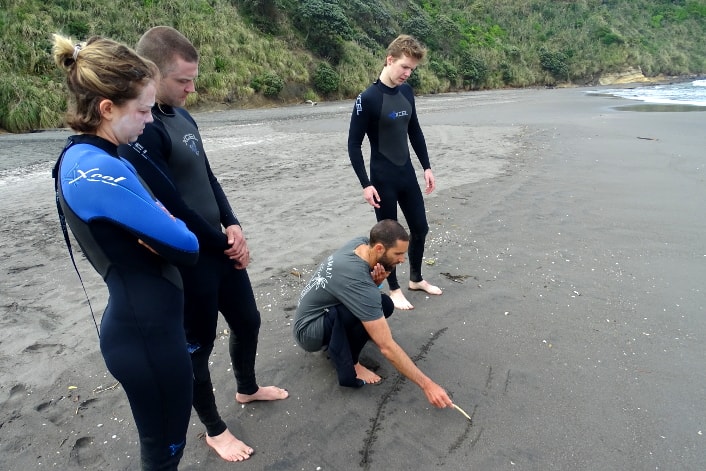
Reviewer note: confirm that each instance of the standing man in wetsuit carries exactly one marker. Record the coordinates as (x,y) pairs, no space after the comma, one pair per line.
(386,113)
(170,157)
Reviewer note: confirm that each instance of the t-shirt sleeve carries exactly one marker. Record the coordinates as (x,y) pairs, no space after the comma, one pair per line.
(365,302)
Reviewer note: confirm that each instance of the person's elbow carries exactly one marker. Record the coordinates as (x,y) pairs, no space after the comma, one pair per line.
(388,349)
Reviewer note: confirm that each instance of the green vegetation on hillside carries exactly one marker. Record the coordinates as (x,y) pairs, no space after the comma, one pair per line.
(261,52)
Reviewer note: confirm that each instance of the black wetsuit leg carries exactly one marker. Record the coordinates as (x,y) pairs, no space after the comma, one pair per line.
(200,322)
(345,336)
(216,285)
(236,301)
(404,189)
(412,204)
(387,190)
(146,351)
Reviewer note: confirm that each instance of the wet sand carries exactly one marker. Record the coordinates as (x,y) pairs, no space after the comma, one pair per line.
(568,237)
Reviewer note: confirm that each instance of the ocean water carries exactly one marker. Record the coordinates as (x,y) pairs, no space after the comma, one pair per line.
(684,96)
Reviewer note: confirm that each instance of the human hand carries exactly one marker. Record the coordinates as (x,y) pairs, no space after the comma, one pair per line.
(437,396)
(430,181)
(146,245)
(370,194)
(238,251)
(379,274)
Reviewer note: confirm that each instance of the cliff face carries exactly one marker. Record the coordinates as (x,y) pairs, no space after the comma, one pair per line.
(631,75)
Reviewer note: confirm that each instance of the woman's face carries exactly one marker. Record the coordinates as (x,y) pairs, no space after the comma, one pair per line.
(123,124)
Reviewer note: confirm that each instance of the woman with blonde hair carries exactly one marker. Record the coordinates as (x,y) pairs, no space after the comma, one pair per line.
(129,238)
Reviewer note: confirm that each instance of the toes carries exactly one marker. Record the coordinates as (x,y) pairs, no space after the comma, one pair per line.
(403,305)
(431,289)
(426,287)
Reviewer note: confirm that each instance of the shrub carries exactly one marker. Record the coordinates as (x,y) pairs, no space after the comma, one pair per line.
(554,62)
(78,28)
(325,26)
(323,18)
(506,73)
(326,79)
(473,70)
(264,14)
(513,52)
(607,36)
(310,95)
(330,48)
(220,64)
(366,41)
(444,69)
(419,27)
(268,84)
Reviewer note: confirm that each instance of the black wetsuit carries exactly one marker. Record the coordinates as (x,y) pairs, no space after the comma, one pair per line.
(388,116)
(142,339)
(170,157)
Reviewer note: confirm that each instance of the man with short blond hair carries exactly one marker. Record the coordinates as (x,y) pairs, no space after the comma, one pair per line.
(387,114)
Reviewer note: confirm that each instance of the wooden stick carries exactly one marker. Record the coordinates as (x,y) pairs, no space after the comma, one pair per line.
(463,412)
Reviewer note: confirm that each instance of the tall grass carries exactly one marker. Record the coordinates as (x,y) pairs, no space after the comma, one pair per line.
(513,43)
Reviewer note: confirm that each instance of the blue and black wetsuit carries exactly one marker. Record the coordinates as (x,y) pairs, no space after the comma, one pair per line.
(170,157)
(142,338)
(388,116)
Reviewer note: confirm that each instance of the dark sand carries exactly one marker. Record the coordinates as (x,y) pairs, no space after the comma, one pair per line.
(570,241)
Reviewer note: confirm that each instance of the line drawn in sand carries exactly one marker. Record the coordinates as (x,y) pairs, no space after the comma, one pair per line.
(376,421)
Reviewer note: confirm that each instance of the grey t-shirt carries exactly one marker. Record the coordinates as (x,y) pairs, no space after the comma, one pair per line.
(343,278)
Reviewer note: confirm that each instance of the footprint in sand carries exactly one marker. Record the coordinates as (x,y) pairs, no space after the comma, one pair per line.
(17,392)
(53,348)
(84,454)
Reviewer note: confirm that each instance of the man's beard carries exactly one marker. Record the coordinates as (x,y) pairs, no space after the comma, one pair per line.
(387,263)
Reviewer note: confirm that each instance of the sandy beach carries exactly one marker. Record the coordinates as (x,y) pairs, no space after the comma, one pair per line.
(569,238)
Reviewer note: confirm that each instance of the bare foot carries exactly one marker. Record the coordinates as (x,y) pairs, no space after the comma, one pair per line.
(365,374)
(265,393)
(228,447)
(399,300)
(424,286)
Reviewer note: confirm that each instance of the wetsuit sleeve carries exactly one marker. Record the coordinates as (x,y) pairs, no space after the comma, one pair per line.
(112,192)
(185,254)
(356,133)
(228,217)
(416,136)
(149,157)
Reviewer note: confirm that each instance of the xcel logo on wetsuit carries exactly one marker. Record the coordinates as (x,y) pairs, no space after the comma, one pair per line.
(93,175)
(190,140)
(397,114)
(358,104)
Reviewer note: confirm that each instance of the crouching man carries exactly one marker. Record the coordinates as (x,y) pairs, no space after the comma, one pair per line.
(341,308)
